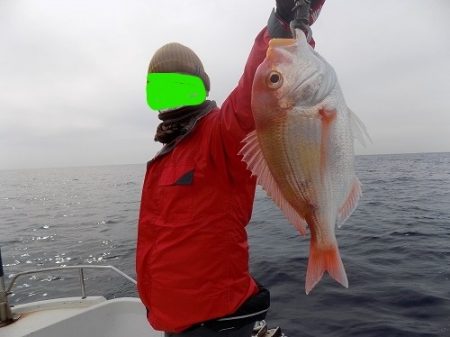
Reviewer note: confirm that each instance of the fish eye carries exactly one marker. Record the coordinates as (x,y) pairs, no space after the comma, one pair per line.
(274,80)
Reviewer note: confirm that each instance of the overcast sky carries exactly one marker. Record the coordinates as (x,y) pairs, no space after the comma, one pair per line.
(73,72)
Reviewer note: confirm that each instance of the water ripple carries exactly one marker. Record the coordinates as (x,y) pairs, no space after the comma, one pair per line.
(394,247)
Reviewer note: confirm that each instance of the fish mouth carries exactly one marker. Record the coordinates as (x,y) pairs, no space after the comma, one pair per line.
(281,42)
(275,43)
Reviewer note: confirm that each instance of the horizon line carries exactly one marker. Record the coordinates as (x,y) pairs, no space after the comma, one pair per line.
(145,163)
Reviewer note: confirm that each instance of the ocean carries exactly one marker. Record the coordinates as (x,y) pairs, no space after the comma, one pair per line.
(395,246)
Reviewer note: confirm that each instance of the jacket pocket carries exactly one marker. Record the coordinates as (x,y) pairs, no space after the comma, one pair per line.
(177,176)
(175,188)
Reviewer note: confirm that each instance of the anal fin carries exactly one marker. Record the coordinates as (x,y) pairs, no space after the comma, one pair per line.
(350,203)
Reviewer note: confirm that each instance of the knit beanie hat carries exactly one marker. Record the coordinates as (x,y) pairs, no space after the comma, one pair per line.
(176,58)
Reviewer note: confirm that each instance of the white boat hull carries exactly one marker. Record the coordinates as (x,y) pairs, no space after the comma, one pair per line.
(75,317)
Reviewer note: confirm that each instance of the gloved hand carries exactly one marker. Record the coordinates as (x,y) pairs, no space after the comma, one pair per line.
(279,20)
(284,9)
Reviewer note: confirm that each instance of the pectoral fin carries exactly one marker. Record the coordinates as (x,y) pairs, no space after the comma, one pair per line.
(358,129)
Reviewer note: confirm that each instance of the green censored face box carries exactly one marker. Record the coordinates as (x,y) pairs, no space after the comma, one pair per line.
(173,90)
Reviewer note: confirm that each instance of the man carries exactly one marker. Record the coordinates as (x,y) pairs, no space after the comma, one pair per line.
(197,198)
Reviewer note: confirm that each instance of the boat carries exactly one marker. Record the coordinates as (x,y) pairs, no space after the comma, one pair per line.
(82,316)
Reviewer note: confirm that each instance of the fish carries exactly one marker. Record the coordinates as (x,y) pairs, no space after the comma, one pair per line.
(301,150)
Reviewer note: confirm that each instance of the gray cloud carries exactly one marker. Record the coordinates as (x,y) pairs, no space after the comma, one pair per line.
(72,73)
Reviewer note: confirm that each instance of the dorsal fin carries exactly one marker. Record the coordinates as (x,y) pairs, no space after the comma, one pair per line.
(253,157)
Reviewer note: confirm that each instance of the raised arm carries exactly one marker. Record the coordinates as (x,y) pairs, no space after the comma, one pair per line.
(236,114)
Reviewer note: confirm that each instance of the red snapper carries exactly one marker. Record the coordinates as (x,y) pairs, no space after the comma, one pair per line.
(302,148)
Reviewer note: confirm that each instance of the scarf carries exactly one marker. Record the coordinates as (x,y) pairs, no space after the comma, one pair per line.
(178,123)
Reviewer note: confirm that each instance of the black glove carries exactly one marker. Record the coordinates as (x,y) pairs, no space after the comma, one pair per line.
(280,19)
(285,10)
(286,13)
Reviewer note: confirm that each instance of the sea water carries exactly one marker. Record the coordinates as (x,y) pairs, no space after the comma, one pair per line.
(395,247)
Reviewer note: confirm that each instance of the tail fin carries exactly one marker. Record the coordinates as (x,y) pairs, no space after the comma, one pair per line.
(321,260)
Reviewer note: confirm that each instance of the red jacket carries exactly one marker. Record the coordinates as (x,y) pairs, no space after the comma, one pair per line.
(192,251)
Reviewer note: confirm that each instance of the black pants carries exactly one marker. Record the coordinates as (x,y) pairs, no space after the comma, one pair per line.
(202,331)
(238,324)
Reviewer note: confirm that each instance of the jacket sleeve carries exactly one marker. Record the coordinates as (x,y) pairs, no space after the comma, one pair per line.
(236,118)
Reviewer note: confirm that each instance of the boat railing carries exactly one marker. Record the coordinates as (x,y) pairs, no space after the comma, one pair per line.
(6,316)
(80,269)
